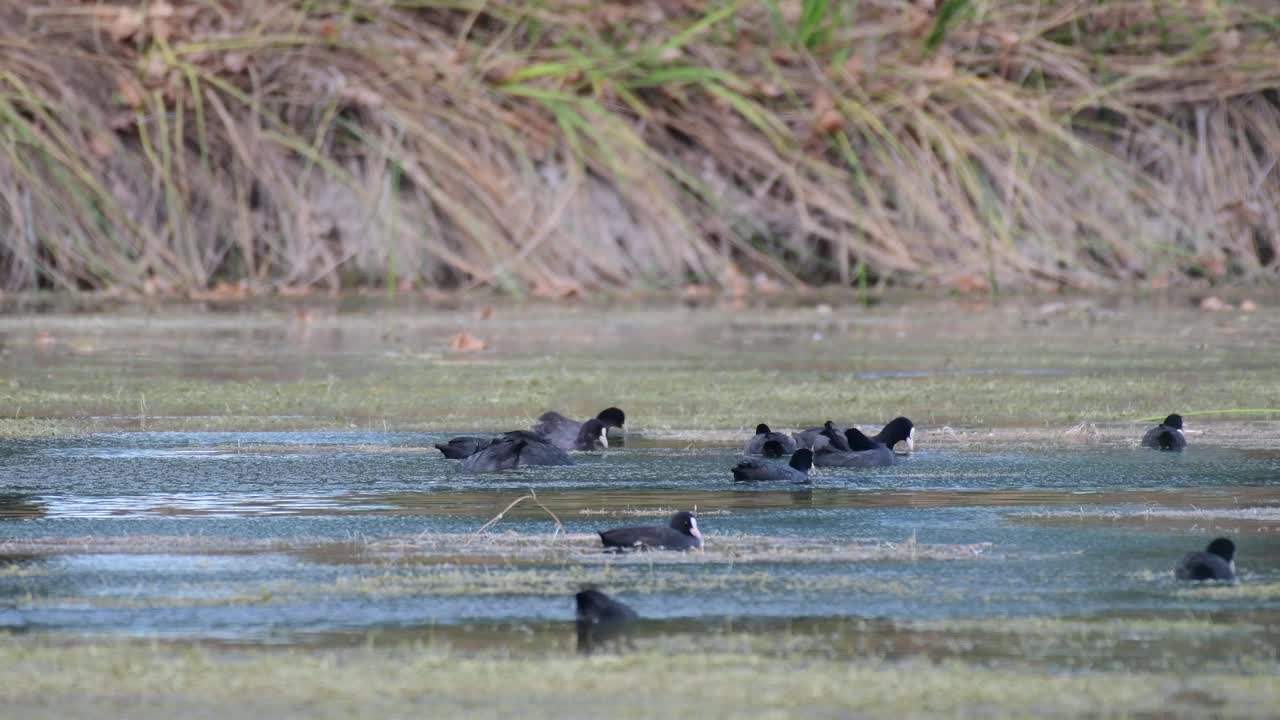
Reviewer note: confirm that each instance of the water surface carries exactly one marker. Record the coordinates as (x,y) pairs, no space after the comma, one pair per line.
(291,536)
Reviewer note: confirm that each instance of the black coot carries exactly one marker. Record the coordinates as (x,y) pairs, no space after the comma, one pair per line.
(1215,563)
(563,431)
(680,534)
(600,618)
(1167,435)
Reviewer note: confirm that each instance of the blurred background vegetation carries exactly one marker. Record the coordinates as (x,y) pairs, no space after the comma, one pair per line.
(553,148)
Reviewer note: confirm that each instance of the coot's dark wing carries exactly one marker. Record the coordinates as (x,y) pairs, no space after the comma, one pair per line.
(544,453)
(755,445)
(558,429)
(788,443)
(462,447)
(822,437)
(1152,438)
(551,418)
(752,471)
(1163,437)
(527,435)
(502,454)
(1171,439)
(811,438)
(879,457)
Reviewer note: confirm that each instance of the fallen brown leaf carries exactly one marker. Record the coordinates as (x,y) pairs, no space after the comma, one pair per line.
(969,282)
(293,290)
(1215,304)
(556,288)
(127,22)
(100,144)
(465,342)
(222,290)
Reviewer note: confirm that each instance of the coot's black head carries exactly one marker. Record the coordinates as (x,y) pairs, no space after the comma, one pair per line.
(1223,548)
(592,431)
(592,602)
(857,441)
(801,459)
(828,425)
(763,429)
(686,523)
(612,417)
(1174,421)
(898,430)
(772,449)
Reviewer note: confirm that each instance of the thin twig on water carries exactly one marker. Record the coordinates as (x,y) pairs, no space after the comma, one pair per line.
(501,514)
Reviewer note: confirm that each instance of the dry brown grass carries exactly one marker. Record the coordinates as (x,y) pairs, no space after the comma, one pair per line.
(251,146)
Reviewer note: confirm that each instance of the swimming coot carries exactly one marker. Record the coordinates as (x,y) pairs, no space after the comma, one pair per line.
(796,471)
(599,618)
(1215,563)
(680,534)
(863,452)
(1167,435)
(591,436)
(755,445)
(563,431)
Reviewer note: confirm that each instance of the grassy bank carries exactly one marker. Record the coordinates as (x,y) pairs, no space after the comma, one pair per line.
(85,681)
(552,148)
(673,370)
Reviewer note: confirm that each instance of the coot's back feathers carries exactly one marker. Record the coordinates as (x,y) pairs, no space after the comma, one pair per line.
(830,435)
(755,470)
(863,452)
(773,449)
(756,443)
(1167,435)
(462,447)
(564,432)
(509,453)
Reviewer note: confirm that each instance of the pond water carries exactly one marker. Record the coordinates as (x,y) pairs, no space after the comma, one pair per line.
(290,537)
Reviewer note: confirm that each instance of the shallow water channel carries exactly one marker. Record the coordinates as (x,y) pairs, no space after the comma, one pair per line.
(305,537)
(282,537)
